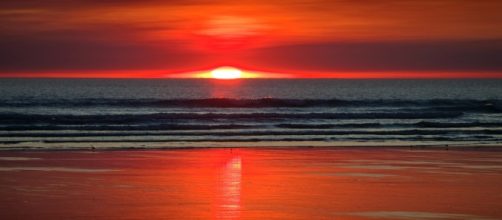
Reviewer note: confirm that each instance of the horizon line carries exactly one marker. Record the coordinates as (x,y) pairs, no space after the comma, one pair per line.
(205,73)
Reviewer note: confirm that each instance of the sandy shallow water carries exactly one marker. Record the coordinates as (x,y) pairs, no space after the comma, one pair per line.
(252,183)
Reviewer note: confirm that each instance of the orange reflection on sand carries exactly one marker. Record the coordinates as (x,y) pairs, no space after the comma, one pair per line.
(228,203)
(303,184)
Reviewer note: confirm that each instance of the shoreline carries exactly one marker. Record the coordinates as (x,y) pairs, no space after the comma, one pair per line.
(359,183)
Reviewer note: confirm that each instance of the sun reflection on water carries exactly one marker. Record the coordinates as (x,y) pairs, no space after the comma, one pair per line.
(229,195)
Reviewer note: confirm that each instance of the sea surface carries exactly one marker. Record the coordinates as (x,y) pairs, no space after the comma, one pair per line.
(132,113)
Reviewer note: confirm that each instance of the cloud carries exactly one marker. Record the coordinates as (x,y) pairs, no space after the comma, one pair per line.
(21,54)
(58,4)
(384,56)
(75,52)
(309,35)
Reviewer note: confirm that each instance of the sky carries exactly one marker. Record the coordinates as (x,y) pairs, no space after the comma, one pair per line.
(295,38)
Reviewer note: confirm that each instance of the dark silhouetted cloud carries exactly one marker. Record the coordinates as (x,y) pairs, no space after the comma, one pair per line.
(385,56)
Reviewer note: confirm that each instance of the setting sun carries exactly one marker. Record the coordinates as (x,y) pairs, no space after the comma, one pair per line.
(226,73)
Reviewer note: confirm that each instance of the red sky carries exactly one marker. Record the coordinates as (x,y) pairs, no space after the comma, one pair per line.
(290,38)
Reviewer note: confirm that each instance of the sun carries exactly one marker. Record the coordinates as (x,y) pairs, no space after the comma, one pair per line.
(226,72)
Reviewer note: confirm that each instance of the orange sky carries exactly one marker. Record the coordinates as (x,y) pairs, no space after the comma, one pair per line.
(295,38)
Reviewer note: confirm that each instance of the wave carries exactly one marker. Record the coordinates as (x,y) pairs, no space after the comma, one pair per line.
(196,127)
(427,124)
(330,126)
(419,139)
(154,127)
(263,133)
(421,124)
(15,118)
(440,104)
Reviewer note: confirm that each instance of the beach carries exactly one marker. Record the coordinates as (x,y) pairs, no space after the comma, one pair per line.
(250,110)
(250,149)
(253,183)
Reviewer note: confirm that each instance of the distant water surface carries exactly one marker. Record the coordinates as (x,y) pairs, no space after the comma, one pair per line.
(58,113)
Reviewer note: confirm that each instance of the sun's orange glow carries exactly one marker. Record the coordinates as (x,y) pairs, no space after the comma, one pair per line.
(226,73)
(251,74)
(303,39)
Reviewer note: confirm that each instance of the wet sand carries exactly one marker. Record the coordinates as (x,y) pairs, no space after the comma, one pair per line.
(252,183)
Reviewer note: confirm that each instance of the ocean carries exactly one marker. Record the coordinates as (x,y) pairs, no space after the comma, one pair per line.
(158,113)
